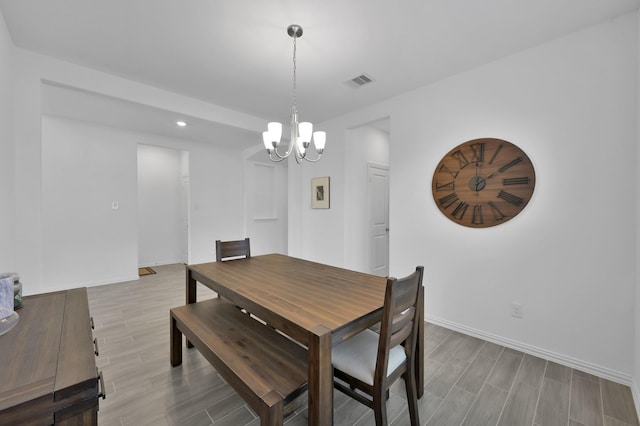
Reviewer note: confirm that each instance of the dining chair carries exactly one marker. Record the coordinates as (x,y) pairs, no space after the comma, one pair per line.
(229,250)
(370,362)
(226,250)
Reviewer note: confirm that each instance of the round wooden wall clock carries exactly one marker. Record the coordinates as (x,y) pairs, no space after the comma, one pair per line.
(483,182)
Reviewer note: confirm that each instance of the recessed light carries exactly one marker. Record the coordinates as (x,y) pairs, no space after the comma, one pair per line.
(181,123)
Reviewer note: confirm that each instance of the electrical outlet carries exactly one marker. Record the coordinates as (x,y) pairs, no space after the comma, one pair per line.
(516,310)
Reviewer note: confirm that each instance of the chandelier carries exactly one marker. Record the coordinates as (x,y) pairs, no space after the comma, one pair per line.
(301,133)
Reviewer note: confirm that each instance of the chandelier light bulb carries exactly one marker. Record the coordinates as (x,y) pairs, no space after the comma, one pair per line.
(275,131)
(306,129)
(266,139)
(319,139)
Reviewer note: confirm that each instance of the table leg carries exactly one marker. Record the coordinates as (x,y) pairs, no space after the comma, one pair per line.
(191,287)
(191,294)
(320,378)
(176,343)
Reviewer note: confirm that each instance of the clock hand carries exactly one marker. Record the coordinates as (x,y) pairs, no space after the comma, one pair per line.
(505,167)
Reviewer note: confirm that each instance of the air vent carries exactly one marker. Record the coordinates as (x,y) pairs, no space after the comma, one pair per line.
(360,80)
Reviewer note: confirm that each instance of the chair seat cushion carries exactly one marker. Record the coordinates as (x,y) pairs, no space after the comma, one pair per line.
(357,356)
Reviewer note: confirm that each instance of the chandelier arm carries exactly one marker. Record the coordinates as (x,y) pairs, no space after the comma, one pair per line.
(286,154)
(277,159)
(313,160)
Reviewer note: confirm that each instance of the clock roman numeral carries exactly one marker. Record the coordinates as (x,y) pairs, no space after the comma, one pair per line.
(460,210)
(495,154)
(449,186)
(516,181)
(510,198)
(497,214)
(462,159)
(477,218)
(448,200)
(478,152)
(445,169)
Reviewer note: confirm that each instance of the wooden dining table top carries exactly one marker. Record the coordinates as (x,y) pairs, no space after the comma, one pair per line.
(297,293)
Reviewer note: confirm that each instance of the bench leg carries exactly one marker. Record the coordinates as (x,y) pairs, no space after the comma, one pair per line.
(176,343)
(271,410)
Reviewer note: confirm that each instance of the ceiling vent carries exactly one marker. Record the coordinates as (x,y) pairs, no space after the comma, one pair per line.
(360,80)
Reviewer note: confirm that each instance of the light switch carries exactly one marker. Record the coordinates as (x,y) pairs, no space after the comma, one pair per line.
(115,205)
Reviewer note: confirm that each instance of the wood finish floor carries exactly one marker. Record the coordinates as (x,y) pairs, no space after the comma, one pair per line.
(468,381)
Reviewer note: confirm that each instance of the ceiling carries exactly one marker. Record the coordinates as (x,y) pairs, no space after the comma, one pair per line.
(237,54)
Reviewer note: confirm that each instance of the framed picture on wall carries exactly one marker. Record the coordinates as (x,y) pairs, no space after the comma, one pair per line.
(320,193)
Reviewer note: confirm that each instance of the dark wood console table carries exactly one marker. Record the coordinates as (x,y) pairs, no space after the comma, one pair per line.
(48,370)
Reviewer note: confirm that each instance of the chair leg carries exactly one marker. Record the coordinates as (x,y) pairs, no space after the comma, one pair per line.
(380,407)
(412,400)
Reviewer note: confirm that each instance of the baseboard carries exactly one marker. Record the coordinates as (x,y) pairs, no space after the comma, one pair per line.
(596,370)
(68,285)
(112,280)
(160,262)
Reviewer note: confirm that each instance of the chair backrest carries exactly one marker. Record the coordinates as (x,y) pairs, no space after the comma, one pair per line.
(399,324)
(232,249)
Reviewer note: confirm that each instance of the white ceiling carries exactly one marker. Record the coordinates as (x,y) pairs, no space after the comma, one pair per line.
(237,54)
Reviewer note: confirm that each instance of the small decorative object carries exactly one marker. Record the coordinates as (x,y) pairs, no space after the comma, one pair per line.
(483,182)
(8,317)
(17,295)
(17,288)
(320,193)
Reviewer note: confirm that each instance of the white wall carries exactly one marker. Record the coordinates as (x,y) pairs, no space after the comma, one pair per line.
(318,234)
(7,194)
(569,257)
(85,169)
(162,209)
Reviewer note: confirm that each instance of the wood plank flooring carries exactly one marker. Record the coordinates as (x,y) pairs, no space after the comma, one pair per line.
(468,381)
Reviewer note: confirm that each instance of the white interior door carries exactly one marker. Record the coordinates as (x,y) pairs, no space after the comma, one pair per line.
(378,194)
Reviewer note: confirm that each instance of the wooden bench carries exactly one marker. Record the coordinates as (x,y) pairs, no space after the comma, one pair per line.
(267,369)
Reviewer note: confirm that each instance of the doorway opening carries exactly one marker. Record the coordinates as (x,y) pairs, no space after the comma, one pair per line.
(367,191)
(163,200)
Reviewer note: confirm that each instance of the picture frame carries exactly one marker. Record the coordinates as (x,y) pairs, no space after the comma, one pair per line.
(320,193)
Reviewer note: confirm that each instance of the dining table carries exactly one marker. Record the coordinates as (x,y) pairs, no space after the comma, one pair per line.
(317,305)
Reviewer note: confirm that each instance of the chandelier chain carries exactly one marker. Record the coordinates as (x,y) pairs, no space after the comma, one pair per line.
(294,108)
